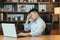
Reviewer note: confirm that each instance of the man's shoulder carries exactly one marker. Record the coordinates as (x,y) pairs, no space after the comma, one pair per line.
(40,20)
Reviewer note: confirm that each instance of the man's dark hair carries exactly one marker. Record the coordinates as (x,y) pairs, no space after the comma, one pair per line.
(34,10)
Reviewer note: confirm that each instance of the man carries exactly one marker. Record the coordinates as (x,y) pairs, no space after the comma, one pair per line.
(36,25)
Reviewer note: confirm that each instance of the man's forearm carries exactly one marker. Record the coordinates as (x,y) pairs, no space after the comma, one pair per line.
(27,20)
(28,34)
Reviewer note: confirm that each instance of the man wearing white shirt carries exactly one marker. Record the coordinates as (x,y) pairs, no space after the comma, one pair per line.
(36,25)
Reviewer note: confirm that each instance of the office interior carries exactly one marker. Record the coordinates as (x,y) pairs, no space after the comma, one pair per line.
(16,11)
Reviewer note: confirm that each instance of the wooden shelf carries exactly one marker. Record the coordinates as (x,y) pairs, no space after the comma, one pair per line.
(9,21)
(18,3)
(12,12)
(59,2)
(14,21)
(22,2)
(22,21)
(18,12)
(31,2)
(54,2)
(26,2)
(8,2)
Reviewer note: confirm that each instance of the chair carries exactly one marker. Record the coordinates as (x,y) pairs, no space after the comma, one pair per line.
(48,19)
(48,29)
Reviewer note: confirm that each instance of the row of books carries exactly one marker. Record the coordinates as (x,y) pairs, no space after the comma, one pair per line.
(21,0)
(24,8)
(28,7)
(8,8)
(21,8)
(31,0)
(12,17)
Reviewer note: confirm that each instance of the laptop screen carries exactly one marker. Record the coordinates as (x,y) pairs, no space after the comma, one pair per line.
(9,29)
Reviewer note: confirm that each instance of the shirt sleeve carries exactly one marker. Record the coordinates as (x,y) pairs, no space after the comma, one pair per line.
(27,27)
(38,30)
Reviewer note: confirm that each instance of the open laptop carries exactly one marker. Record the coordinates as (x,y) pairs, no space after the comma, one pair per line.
(9,29)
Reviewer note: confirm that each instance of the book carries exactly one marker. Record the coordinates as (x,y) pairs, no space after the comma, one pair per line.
(15,1)
(53,0)
(25,16)
(48,7)
(25,0)
(36,6)
(12,1)
(21,8)
(4,17)
(1,16)
(42,8)
(21,0)
(55,18)
(29,7)
(14,8)
(21,16)
(7,8)
(8,0)
(32,0)
(35,0)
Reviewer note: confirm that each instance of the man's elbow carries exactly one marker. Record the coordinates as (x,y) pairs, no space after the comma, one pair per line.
(36,34)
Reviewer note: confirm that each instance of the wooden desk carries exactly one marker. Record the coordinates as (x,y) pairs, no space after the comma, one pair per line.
(51,37)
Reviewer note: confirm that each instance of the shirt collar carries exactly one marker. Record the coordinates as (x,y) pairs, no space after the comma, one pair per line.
(37,20)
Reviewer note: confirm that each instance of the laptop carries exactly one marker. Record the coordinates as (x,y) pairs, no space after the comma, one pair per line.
(9,30)
(9,38)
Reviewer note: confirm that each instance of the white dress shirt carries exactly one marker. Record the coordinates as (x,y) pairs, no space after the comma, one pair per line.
(36,27)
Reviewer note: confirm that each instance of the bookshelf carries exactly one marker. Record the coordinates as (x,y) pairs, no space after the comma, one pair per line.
(47,7)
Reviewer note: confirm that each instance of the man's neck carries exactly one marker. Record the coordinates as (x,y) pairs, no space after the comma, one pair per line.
(37,18)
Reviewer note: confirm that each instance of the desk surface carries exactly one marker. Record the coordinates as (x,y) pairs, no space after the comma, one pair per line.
(51,37)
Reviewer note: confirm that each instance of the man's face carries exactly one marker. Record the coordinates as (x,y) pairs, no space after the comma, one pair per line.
(33,15)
